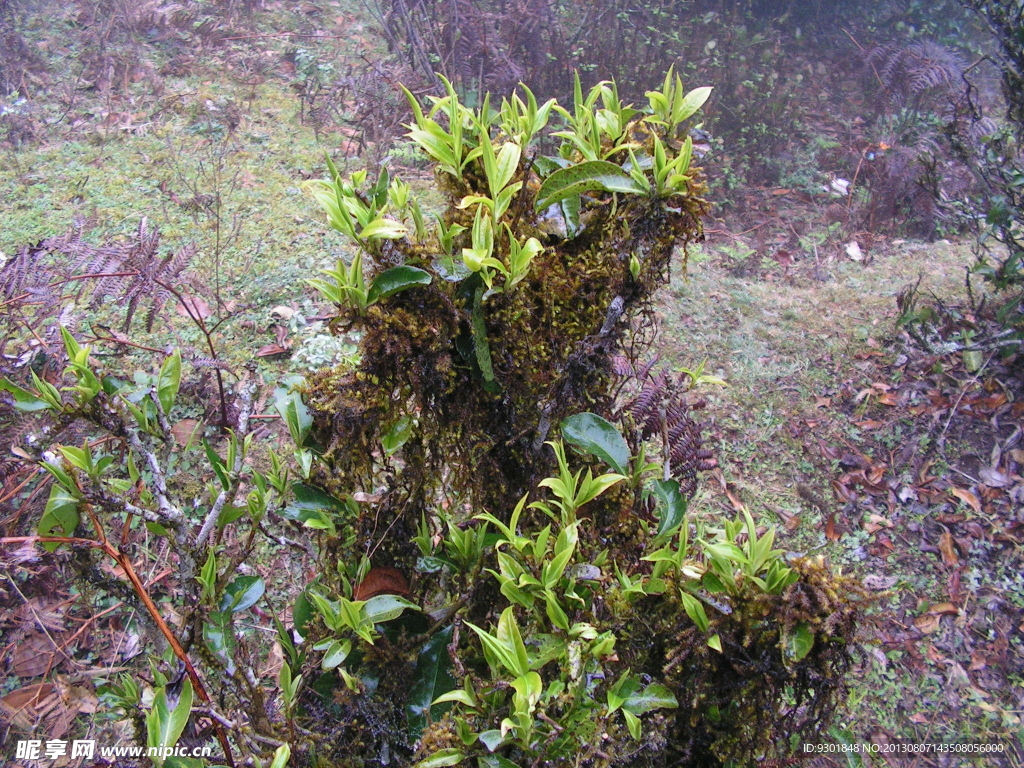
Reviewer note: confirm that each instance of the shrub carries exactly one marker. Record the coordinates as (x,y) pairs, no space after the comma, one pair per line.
(517,323)
(504,574)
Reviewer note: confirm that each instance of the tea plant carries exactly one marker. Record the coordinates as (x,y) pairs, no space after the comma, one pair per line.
(473,380)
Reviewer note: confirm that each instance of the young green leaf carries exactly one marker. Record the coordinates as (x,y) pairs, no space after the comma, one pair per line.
(168,381)
(442,758)
(695,610)
(165,726)
(599,437)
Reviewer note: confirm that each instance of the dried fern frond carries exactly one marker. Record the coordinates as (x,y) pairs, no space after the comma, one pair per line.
(910,74)
(663,409)
(132,272)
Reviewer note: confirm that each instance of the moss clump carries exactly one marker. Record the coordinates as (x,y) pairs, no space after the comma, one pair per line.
(763,687)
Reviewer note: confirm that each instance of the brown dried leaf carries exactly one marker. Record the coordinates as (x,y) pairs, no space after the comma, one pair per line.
(993,478)
(879,583)
(927,624)
(733,498)
(869,424)
(830,528)
(184,431)
(381,581)
(948,549)
(933,655)
(36,612)
(943,609)
(193,306)
(33,657)
(967,498)
(272,350)
(23,702)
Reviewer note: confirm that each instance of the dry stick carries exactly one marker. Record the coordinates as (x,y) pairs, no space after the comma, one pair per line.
(853,184)
(16,299)
(97,337)
(870,63)
(164,574)
(197,318)
(122,559)
(22,484)
(228,494)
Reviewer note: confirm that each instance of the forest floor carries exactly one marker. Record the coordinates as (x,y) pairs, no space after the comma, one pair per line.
(897,463)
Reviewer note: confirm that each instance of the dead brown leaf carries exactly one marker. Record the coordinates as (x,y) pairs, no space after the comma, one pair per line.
(272,350)
(869,424)
(830,528)
(948,550)
(193,306)
(942,609)
(879,583)
(993,478)
(927,624)
(33,657)
(45,615)
(20,706)
(733,499)
(184,431)
(381,581)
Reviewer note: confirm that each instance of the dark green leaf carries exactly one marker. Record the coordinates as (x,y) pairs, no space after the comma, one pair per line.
(381,608)
(183,762)
(591,176)
(672,510)
(156,529)
(168,382)
(480,345)
(599,437)
(294,412)
(432,678)
(491,739)
(495,761)
(242,593)
(396,279)
(23,399)
(218,465)
(571,213)
(451,270)
(309,500)
(302,612)
(229,513)
(397,436)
